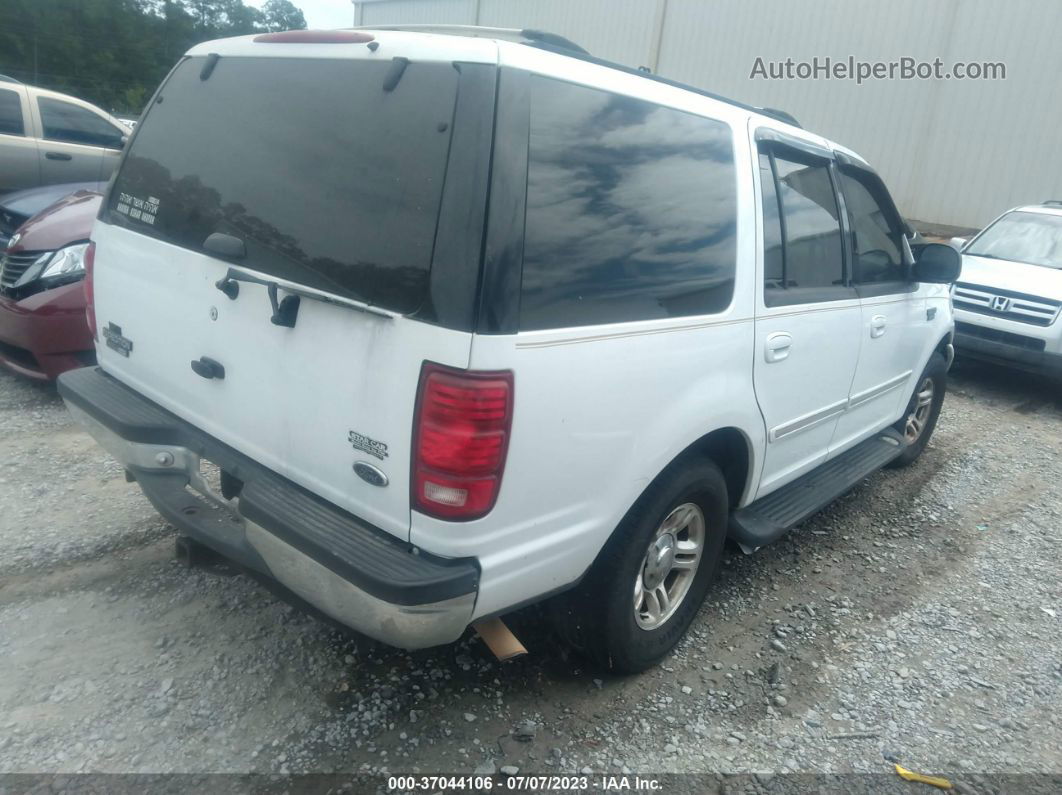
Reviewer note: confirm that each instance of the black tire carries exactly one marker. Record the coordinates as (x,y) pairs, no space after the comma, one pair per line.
(598,617)
(937,372)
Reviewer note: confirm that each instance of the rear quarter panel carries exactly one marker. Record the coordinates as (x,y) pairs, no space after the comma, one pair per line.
(596,419)
(601,410)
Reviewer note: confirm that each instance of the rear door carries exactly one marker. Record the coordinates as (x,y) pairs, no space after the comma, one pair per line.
(328,183)
(808,316)
(894,318)
(19,167)
(75,142)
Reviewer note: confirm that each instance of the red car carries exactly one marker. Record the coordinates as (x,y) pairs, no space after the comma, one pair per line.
(43,331)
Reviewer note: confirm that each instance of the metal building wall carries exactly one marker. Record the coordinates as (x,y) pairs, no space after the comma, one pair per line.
(953,152)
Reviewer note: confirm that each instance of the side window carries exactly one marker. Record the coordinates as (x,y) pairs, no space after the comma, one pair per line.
(11,113)
(631,210)
(773,257)
(811,228)
(876,234)
(76,125)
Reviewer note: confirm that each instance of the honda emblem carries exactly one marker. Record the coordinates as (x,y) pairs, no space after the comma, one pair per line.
(1000,303)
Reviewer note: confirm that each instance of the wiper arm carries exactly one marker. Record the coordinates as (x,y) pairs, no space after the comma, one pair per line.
(284,312)
(286,309)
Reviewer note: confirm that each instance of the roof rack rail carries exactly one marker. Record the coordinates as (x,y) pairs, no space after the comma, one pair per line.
(546,37)
(551,42)
(774,113)
(1053,203)
(518,35)
(781,115)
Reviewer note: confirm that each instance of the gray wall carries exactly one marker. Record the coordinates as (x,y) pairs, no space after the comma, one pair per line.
(953,152)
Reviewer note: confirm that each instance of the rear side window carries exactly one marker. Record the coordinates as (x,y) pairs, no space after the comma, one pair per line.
(803,251)
(330,180)
(10,113)
(773,255)
(810,223)
(876,234)
(631,210)
(73,124)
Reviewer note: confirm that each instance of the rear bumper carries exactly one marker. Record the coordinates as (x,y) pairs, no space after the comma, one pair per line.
(1000,351)
(358,574)
(46,334)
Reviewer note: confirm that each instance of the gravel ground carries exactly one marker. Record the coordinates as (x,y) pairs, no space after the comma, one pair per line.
(916,620)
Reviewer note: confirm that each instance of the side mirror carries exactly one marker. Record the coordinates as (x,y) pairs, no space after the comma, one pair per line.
(958,242)
(937,263)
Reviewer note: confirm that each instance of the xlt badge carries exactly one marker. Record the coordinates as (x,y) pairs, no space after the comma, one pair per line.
(367,445)
(112,335)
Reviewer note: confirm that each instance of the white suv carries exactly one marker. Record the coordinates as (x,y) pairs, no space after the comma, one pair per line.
(512,323)
(1008,302)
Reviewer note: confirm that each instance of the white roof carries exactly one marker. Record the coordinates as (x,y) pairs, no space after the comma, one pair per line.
(504,46)
(1044,209)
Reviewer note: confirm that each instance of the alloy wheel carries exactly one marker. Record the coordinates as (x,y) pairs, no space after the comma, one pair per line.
(919,416)
(669,566)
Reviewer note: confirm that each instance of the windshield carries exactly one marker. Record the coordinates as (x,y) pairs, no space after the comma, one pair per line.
(329,180)
(1035,238)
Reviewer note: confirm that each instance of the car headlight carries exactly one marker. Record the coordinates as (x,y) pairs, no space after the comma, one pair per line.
(67,261)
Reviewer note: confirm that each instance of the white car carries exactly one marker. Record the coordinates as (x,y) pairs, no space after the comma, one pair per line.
(523,325)
(1008,302)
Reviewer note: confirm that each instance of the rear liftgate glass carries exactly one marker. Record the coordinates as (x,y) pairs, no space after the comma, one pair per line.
(328,173)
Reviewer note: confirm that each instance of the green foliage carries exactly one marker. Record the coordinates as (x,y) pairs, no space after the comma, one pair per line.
(115,52)
(282,15)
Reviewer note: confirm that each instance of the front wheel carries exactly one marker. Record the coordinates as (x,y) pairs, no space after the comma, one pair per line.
(644,590)
(923,410)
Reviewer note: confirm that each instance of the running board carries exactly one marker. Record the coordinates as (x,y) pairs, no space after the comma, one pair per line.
(768,518)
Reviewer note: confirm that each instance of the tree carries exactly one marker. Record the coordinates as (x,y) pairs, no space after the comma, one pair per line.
(115,52)
(282,15)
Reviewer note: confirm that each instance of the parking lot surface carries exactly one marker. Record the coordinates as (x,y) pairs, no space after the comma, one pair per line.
(916,621)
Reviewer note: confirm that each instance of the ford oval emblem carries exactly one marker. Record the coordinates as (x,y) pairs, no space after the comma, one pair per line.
(370,474)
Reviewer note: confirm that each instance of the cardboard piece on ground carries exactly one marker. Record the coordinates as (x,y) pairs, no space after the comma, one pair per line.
(499,639)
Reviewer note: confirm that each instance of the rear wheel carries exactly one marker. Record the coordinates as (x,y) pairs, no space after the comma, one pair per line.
(923,409)
(644,591)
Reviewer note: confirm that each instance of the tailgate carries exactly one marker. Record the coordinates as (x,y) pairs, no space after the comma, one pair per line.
(325,189)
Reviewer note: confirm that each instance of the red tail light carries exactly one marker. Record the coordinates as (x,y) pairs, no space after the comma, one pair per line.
(90,308)
(461,435)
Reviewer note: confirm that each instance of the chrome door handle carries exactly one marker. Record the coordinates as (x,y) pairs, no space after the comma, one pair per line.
(877,326)
(778,345)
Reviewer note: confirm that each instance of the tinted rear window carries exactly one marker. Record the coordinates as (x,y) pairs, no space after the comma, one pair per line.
(631,210)
(329,180)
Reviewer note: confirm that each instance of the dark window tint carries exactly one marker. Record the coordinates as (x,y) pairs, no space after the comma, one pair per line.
(10,113)
(630,210)
(329,180)
(773,260)
(76,125)
(812,230)
(876,235)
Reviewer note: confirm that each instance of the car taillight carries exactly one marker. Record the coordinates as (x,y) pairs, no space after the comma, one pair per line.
(90,308)
(461,435)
